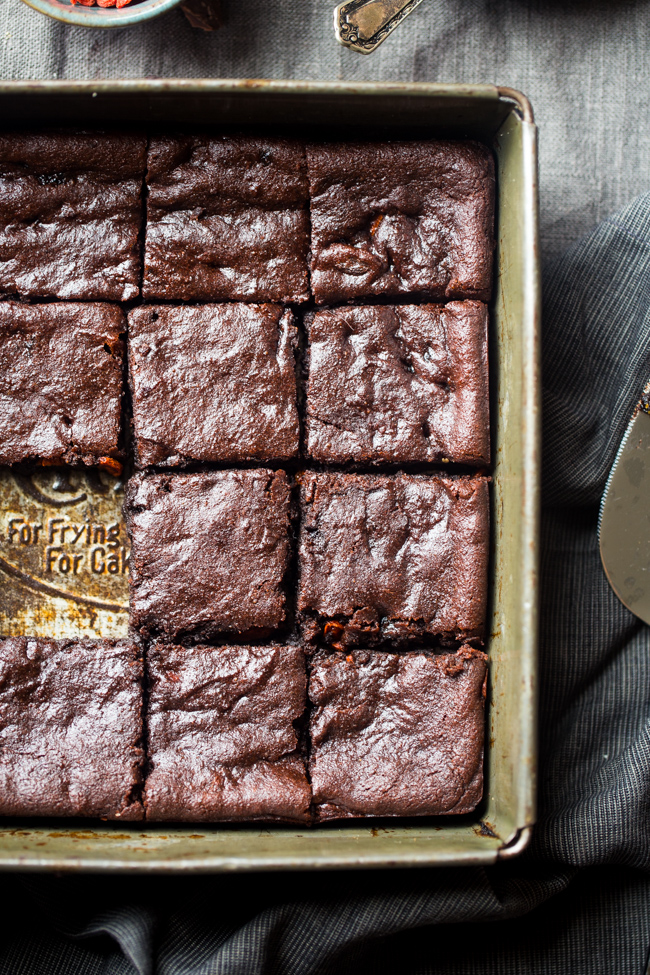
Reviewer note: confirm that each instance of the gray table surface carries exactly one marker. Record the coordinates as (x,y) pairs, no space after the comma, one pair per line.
(584,65)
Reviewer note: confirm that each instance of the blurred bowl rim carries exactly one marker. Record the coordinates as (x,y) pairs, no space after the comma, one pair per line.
(102,17)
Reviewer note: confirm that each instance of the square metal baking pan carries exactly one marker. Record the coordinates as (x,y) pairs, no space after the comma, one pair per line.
(62,602)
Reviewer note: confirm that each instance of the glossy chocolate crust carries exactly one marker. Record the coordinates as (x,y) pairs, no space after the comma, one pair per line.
(70,215)
(208,553)
(213,383)
(392,558)
(393,384)
(60,382)
(222,741)
(226,219)
(70,728)
(398,218)
(397,734)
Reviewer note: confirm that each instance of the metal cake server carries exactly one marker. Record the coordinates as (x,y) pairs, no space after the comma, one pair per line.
(624,523)
(362,25)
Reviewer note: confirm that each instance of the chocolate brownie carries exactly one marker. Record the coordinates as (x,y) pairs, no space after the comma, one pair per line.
(213,383)
(392,557)
(60,382)
(394,218)
(70,728)
(397,734)
(70,214)
(208,552)
(226,219)
(222,741)
(399,383)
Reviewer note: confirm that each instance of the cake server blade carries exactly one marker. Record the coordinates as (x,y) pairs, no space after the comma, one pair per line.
(624,524)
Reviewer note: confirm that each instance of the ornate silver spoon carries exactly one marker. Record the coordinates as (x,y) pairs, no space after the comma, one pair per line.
(362,25)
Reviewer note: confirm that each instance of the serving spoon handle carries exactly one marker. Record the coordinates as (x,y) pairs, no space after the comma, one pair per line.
(362,25)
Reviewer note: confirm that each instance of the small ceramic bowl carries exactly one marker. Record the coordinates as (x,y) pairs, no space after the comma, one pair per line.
(135,13)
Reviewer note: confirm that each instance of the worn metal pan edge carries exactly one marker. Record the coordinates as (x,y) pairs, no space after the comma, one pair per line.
(503,828)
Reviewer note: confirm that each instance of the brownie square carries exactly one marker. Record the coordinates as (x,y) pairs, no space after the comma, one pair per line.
(213,383)
(392,558)
(397,734)
(222,740)
(399,383)
(226,219)
(60,382)
(208,552)
(70,728)
(400,218)
(70,214)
